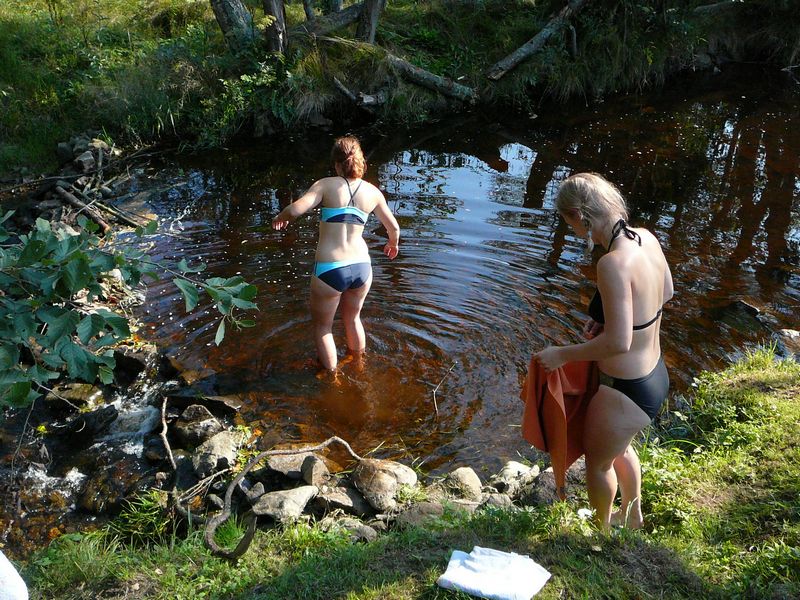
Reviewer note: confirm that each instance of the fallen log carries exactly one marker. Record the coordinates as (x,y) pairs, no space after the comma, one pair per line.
(90,212)
(443,85)
(711,9)
(532,46)
(122,218)
(325,24)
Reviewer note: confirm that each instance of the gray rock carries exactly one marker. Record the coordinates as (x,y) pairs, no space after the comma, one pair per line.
(75,393)
(497,501)
(346,499)
(359,532)
(513,478)
(254,493)
(64,153)
(314,471)
(289,465)
(417,515)
(196,425)
(379,481)
(464,483)
(543,490)
(81,430)
(285,505)
(217,453)
(85,161)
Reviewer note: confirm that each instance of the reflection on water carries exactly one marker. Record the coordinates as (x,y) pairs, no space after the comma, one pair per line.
(487,273)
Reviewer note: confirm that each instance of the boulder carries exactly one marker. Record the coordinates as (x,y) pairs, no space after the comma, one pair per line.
(513,478)
(417,515)
(85,161)
(196,425)
(314,471)
(379,480)
(346,499)
(217,453)
(79,394)
(284,505)
(464,483)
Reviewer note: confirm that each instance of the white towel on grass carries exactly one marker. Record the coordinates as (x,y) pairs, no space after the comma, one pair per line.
(12,587)
(494,574)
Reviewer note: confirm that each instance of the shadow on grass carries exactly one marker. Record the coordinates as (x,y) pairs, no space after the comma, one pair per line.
(406,564)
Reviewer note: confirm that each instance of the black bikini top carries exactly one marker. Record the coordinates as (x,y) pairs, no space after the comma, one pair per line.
(596,305)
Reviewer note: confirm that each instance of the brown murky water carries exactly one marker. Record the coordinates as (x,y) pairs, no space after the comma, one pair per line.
(487,274)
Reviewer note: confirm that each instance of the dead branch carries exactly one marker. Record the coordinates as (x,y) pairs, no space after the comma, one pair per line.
(90,212)
(330,22)
(532,46)
(443,85)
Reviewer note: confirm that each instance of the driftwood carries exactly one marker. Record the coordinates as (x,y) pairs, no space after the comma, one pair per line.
(712,9)
(532,46)
(90,212)
(122,218)
(327,23)
(214,522)
(443,85)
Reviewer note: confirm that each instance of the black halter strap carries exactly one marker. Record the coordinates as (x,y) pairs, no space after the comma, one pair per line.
(352,193)
(621,227)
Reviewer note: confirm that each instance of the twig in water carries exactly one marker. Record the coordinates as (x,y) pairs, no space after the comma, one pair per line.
(21,438)
(435,405)
(164,434)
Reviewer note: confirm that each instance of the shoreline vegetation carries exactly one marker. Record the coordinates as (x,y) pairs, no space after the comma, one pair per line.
(720,489)
(159,71)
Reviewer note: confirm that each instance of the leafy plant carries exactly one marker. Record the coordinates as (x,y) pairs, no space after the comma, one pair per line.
(45,329)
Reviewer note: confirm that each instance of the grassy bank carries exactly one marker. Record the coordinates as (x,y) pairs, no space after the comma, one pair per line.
(721,489)
(146,70)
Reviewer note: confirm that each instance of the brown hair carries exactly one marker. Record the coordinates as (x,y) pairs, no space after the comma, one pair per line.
(347,154)
(592,196)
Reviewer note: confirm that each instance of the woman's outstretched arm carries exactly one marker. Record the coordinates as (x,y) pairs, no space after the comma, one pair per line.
(299,207)
(387,219)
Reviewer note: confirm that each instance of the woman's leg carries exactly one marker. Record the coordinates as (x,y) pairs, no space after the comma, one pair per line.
(352,302)
(324,301)
(629,476)
(612,420)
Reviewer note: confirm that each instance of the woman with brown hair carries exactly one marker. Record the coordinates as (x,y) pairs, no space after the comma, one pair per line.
(633,283)
(342,267)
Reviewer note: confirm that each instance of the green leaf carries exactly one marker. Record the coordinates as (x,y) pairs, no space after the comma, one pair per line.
(20,394)
(90,326)
(119,324)
(243,304)
(183,266)
(102,261)
(62,327)
(77,274)
(41,375)
(246,323)
(80,362)
(248,292)
(31,253)
(6,216)
(220,333)
(151,227)
(190,293)
(106,374)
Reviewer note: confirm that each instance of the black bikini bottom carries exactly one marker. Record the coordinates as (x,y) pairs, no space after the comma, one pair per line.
(648,392)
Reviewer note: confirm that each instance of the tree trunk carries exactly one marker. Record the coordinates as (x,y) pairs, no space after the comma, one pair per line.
(332,6)
(324,25)
(712,9)
(368,23)
(275,34)
(429,80)
(531,47)
(308,8)
(236,23)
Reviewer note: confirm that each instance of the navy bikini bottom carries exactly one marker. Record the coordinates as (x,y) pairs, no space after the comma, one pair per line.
(342,275)
(648,392)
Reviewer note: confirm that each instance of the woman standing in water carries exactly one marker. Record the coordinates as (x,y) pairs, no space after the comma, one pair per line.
(633,283)
(342,269)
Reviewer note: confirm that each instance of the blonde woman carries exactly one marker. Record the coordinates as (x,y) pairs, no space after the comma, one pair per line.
(342,268)
(622,333)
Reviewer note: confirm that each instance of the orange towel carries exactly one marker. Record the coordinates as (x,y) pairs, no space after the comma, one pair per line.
(555,408)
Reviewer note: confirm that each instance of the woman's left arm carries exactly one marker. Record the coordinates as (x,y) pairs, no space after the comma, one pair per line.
(299,207)
(617,333)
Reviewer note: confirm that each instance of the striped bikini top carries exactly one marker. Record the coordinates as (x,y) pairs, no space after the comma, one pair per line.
(345,214)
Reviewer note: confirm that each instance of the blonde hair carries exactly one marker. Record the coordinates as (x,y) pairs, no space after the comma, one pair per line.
(347,154)
(593,197)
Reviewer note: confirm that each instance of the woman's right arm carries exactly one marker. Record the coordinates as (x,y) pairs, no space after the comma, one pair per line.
(387,219)
(299,207)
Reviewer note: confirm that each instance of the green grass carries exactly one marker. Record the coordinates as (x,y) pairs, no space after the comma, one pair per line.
(152,70)
(720,489)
